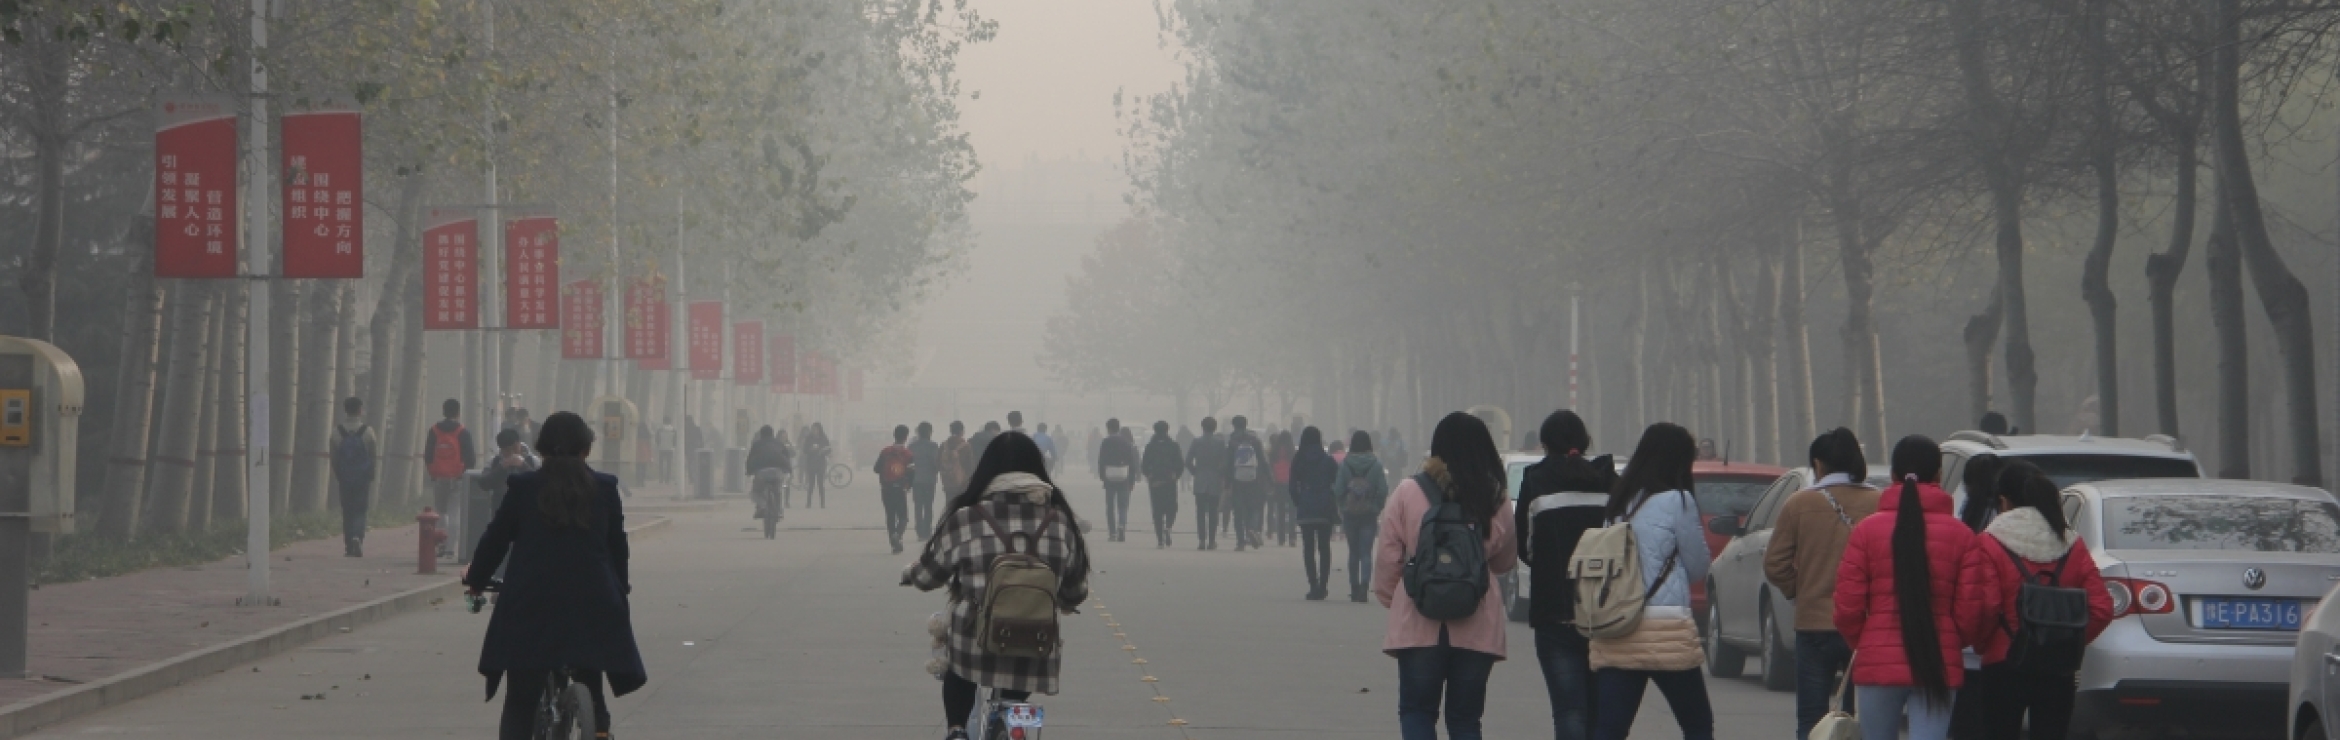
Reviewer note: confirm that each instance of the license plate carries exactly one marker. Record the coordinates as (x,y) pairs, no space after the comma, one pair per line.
(2248,614)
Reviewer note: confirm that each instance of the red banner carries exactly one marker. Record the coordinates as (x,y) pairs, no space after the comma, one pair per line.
(324,194)
(853,385)
(451,270)
(581,324)
(662,314)
(706,340)
(783,363)
(195,217)
(747,353)
(532,266)
(819,377)
(647,327)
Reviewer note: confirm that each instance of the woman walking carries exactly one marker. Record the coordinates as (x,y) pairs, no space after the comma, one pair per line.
(1981,481)
(1363,488)
(1653,496)
(1313,471)
(1445,661)
(1279,510)
(2028,541)
(1895,601)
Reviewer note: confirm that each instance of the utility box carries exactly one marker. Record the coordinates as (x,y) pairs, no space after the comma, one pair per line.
(49,426)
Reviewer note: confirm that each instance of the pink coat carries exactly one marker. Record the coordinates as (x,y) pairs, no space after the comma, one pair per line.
(1401,522)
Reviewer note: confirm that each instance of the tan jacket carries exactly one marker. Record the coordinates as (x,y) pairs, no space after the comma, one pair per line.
(1807,543)
(1667,640)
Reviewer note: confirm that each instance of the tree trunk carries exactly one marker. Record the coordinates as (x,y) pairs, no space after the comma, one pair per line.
(174,470)
(1987,120)
(1864,407)
(1762,338)
(312,432)
(229,488)
(401,457)
(2224,265)
(1981,335)
(284,352)
(387,372)
(206,422)
(2161,276)
(1637,327)
(1799,423)
(2096,271)
(134,389)
(48,83)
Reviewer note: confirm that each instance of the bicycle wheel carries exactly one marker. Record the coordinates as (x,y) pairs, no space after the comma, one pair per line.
(840,476)
(576,714)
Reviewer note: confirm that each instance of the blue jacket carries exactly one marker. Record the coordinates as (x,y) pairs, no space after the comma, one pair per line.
(1666,524)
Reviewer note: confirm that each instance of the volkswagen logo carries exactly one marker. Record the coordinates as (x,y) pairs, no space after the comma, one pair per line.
(2254,578)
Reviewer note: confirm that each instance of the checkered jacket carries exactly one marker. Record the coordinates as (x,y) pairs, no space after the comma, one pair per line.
(959,556)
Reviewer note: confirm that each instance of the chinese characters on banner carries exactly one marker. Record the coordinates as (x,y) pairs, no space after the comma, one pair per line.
(532,266)
(819,379)
(646,320)
(195,216)
(706,340)
(324,195)
(853,386)
(581,326)
(783,363)
(662,314)
(747,353)
(450,270)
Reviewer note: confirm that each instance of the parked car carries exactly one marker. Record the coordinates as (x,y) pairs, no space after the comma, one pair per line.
(1744,616)
(2315,675)
(2211,581)
(2070,460)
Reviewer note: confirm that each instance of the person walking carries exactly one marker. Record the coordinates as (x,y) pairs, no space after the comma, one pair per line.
(1313,508)
(1010,493)
(565,605)
(1117,468)
(816,465)
(447,454)
(769,452)
(1983,503)
(1444,664)
(1163,466)
(981,442)
(1363,488)
(1279,508)
(1559,498)
(1896,601)
(958,460)
(925,471)
(1653,497)
(1250,479)
(1206,463)
(1807,543)
(356,454)
(2029,542)
(894,468)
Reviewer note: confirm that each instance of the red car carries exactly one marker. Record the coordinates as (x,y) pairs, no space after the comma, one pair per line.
(1725,489)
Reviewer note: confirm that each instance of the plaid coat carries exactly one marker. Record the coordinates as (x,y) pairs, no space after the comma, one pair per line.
(959,556)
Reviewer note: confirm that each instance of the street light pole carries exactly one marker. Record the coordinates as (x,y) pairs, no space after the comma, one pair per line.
(1575,306)
(257,266)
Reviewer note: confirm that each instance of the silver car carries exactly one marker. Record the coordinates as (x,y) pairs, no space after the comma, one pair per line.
(1745,617)
(2315,676)
(2211,581)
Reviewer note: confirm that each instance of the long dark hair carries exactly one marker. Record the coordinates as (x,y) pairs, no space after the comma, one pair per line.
(1360,441)
(567,497)
(1840,452)
(1312,439)
(1982,490)
(2023,484)
(1013,452)
(1661,462)
(1474,468)
(1917,459)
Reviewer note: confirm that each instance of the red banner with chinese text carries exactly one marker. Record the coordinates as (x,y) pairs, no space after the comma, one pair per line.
(647,327)
(747,353)
(818,379)
(532,266)
(706,340)
(662,314)
(450,270)
(195,217)
(581,337)
(783,363)
(324,202)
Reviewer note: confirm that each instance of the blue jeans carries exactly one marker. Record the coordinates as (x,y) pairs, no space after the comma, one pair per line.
(1620,693)
(1819,657)
(1566,657)
(1360,532)
(1427,673)
(1881,708)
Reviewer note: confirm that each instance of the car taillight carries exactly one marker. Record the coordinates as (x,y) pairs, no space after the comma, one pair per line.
(2139,596)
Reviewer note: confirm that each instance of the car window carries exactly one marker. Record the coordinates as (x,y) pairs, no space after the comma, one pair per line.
(1513,473)
(2223,522)
(2072,470)
(1769,507)
(2072,506)
(1730,495)
(1954,474)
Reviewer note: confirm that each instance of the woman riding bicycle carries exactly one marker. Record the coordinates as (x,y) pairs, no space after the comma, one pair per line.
(1011,482)
(768,453)
(564,606)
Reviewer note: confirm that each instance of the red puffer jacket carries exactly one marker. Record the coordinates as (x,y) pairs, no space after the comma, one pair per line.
(1868,611)
(1986,594)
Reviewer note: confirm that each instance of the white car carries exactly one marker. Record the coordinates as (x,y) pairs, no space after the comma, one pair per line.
(2069,460)
(2315,675)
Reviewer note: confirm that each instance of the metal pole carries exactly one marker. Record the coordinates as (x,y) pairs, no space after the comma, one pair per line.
(491,290)
(1575,305)
(686,457)
(617,312)
(257,263)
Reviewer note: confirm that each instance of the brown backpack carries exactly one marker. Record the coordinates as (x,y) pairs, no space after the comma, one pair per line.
(1017,618)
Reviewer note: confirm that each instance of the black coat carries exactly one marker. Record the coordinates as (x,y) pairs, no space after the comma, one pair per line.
(1578,490)
(564,596)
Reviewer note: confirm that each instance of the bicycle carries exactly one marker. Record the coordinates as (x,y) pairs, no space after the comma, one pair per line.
(771,487)
(997,718)
(564,710)
(840,475)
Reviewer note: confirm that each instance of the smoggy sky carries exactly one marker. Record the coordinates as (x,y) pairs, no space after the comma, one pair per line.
(1047,81)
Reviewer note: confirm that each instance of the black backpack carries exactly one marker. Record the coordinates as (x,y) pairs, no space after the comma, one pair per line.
(1447,574)
(2051,633)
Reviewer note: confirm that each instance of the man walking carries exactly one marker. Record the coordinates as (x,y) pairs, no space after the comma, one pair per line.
(447,453)
(958,460)
(893,469)
(1206,461)
(1117,468)
(1163,467)
(925,470)
(356,453)
(1047,447)
(1807,544)
(1250,480)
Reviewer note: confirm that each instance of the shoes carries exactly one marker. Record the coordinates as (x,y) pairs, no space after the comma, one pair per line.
(1315,594)
(897,548)
(956,734)
(1357,596)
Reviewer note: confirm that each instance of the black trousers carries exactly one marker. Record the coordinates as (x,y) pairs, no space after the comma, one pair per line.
(959,699)
(1206,518)
(1164,505)
(2003,696)
(922,505)
(521,690)
(1316,552)
(355,502)
(896,499)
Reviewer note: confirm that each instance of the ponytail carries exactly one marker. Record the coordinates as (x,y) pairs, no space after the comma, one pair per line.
(1840,451)
(1917,459)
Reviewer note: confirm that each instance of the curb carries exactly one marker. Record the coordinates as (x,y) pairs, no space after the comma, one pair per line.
(40,712)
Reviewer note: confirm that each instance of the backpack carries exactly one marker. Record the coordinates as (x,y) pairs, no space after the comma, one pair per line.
(2051,631)
(1246,456)
(446,452)
(1607,569)
(1446,575)
(352,462)
(1017,618)
(1114,459)
(1361,499)
(897,465)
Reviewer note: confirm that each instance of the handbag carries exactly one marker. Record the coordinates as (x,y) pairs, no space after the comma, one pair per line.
(1839,723)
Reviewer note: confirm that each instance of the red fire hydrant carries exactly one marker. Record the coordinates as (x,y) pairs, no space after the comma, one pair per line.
(428,535)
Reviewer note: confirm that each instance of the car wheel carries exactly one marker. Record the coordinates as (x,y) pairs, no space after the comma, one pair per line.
(2313,729)
(1779,669)
(1722,660)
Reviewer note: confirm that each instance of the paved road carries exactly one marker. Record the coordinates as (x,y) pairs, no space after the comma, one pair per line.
(807,636)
